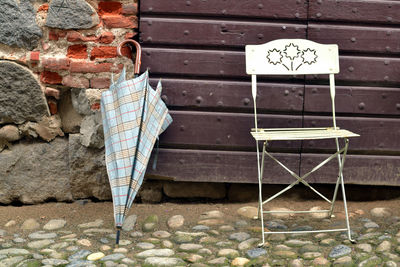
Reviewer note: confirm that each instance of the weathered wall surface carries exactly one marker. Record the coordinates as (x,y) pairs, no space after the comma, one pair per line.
(55,58)
(197,48)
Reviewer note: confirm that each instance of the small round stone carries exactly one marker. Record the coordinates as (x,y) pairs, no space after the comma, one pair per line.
(213,214)
(239,261)
(380,212)
(161,234)
(339,251)
(55,224)
(30,224)
(95,256)
(176,221)
(145,245)
(320,261)
(248,212)
(84,242)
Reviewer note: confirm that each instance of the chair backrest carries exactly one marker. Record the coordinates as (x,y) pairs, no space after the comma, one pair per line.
(292,57)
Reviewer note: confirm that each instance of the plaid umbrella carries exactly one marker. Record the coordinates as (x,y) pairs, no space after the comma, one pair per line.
(133,117)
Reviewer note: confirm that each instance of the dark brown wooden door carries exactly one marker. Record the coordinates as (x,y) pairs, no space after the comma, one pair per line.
(197,48)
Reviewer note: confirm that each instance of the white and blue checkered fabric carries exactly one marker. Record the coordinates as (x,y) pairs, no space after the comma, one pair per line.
(121,108)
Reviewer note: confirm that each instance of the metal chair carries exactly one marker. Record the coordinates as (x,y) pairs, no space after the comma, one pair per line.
(297,57)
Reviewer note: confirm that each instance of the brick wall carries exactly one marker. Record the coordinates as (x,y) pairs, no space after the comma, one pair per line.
(56,57)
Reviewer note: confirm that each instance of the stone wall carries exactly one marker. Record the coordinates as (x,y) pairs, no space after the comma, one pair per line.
(56,57)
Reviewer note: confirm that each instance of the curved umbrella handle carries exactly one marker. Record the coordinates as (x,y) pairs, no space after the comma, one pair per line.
(138,53)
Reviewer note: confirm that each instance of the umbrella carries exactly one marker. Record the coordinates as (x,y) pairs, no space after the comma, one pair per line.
(133,117)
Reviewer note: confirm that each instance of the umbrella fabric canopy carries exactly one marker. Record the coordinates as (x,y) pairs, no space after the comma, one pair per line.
(129,135)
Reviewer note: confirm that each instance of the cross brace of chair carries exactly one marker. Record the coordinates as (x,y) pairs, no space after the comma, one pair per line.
(300,179)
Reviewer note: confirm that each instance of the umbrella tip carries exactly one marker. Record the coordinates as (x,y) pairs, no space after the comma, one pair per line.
(117,237)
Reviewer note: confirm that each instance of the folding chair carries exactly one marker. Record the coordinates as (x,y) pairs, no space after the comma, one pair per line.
(297,57)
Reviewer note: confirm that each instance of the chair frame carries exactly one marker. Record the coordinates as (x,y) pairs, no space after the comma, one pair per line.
(271,59)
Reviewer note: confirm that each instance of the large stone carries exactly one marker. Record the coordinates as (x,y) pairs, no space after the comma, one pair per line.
(19,28)
(87,171)
(380,212)
(71,14)
(35,172)
(129,223)
(91,130)
(339,251)
(48,128)
(194,190)
(70,118)
(163,261)
(10,133)
(21,98)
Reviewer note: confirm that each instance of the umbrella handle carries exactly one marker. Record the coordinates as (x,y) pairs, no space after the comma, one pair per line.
(138,61)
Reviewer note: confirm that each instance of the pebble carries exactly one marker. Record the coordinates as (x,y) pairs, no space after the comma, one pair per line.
(40,243)
(120,250)
(371,225)
(190,247)
(161,234)
(95,256)
(14,251)
(218,261)
(286,213)
(129,223)
(339,251)
(54,262)
(176,221)
(380,212)
(384,246)
(164,261)
(97,223)
(167,244)
(240,236)
(256,252)
(248,212)
(343,261)
(247,244)
(228,252)
(201,228)
(297,243)
(275,225)
(213,214)
(30,224)
(84,242)
(194,258)
(79,255)
(296,263)
(10,223)
(239,261)
(42,235)
(370,262)
(55,224)
(113,257)
(320,261)
(211,222)
(163,252)
(318,215)
(145,245)
(226,228)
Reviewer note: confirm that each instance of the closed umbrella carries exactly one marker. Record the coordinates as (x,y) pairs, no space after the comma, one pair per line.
(133,117)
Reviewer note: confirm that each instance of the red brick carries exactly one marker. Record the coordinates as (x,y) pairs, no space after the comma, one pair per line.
(130,35)
(52,92)
(90,67)
(75,81)
(110,8)
(95,106)
(119,21)
(106,38)
(74,36)
(100,83)
(56,63)
(35,55)
(50,77)
(53,36)
(52,106)
(103,52)
(130,9)
(77,51)
(44,7)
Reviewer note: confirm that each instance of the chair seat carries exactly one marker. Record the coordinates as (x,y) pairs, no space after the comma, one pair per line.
(264,134)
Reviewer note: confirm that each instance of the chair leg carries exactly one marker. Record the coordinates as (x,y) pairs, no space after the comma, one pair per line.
(260,169)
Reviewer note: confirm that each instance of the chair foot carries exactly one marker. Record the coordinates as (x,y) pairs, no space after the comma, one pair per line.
(353,241)
(261,245)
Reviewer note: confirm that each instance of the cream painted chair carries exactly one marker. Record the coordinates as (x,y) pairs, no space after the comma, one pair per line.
(297,57)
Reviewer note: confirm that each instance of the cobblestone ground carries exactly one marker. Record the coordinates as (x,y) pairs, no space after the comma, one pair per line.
(208,239)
